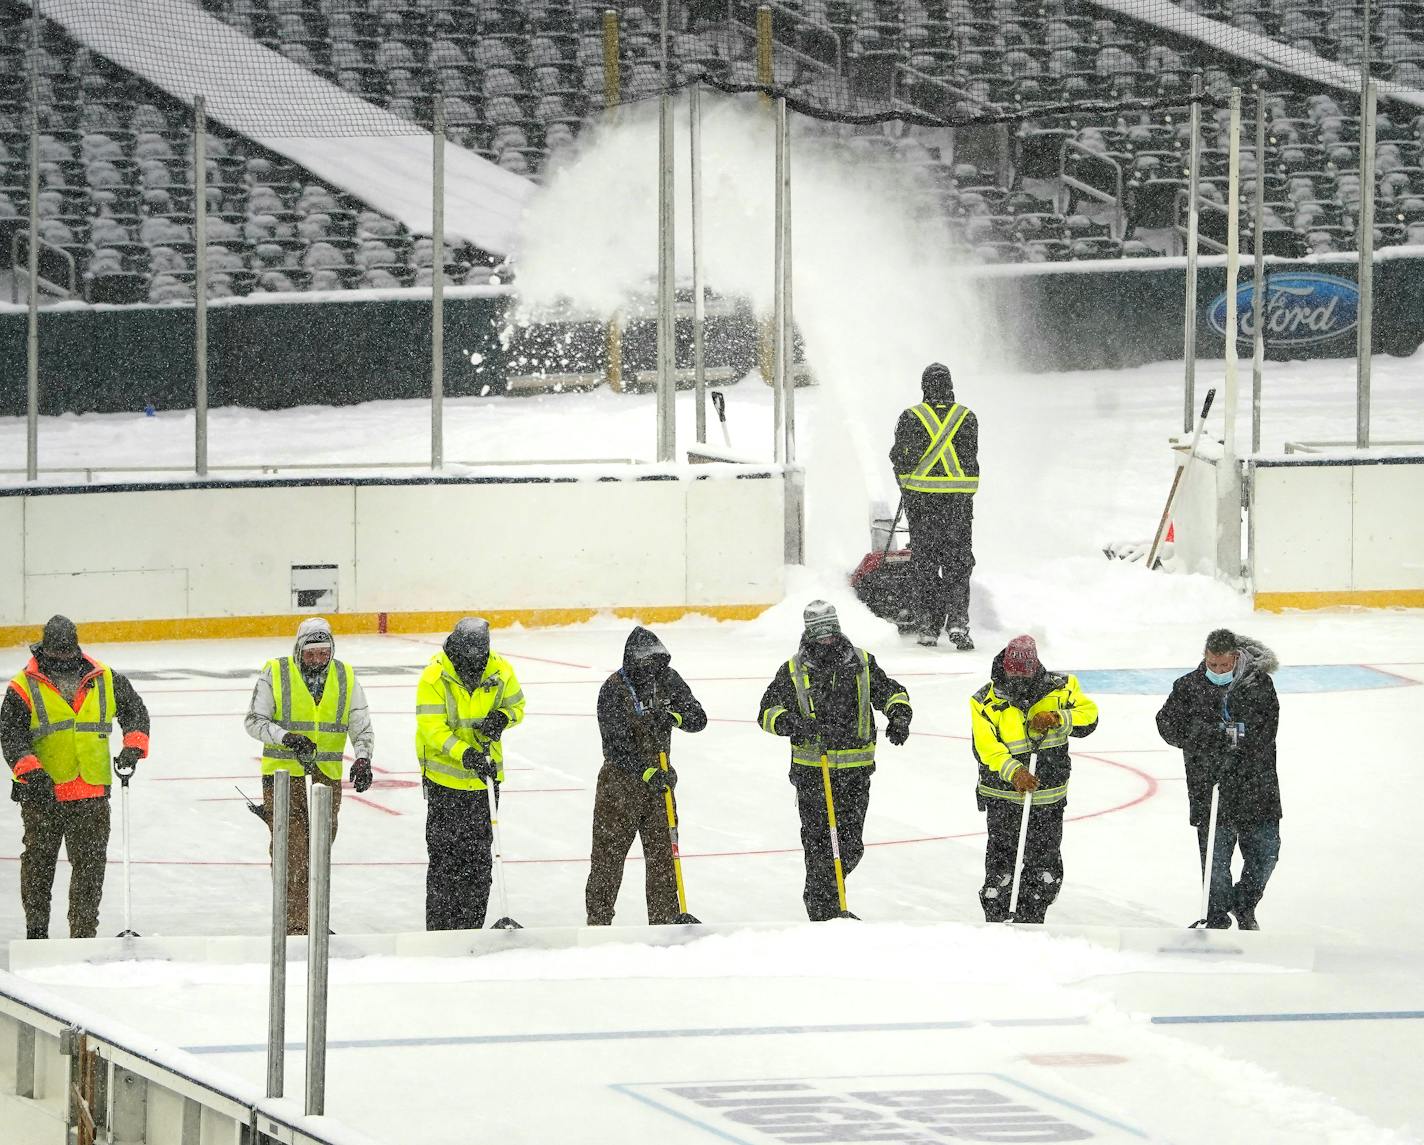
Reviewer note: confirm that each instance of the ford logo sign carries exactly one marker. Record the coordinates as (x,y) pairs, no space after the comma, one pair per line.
(1301,307)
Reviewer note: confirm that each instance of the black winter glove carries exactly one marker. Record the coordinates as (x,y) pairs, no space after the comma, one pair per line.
(897,731)
(361,776)
(659,780)
(493,725)
(304,747)
(791,725)
(477,761)
(36,789)
(127,763)
(661,719)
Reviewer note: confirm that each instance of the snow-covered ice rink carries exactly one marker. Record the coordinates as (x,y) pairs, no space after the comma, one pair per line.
(919,1024)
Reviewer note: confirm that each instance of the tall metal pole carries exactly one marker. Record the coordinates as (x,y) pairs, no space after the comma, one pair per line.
(318,946)
(788,333)
(667,266)
(277,961)
(1189,332)
(1258,280)
(200,305)
(437,287)
(1233,268)
(1365,330)
(32,332)
(612,85)
(778,303)
(699,366)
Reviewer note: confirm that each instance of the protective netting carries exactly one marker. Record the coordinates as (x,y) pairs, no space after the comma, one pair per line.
(1050,129)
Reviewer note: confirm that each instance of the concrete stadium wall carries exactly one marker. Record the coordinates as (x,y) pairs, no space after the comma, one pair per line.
(409,554)
(1337,530)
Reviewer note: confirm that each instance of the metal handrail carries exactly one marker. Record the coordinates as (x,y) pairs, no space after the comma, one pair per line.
(924,78)
(1323,446)
(1202,205)
(1092,192)
(15,267)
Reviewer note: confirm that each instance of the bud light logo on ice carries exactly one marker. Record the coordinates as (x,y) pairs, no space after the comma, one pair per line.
(1301,307)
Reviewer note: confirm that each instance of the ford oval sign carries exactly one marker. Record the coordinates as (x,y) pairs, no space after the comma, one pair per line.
(1301,307)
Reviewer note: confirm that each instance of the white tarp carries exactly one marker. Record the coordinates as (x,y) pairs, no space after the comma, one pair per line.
(382,159)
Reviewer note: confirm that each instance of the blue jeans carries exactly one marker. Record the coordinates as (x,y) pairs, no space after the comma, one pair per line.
(1260,849)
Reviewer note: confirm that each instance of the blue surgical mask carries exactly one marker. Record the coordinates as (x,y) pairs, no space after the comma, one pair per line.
(1220,677)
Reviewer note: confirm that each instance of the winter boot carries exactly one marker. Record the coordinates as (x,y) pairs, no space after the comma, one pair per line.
(926,641)
(1246,918)
(959,637)
(1218,921)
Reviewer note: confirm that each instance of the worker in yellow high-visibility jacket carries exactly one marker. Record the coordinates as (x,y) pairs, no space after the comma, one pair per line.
(466,699)
(936,462)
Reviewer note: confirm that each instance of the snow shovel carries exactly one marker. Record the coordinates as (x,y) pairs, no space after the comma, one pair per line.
(682,918)
(1019,857)
(835,836)
(504,922)
(1210,863)
(128,930)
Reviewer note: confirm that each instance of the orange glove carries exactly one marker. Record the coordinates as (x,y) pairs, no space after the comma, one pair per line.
(1024,780)
(1041,721)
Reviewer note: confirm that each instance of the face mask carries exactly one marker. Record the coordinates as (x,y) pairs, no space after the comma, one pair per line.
(1220,677)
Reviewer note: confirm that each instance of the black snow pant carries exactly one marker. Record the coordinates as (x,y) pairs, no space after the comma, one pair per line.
(82,825)
(1260,845)
(1042,876)
(850,788)
(623,807)
(458,842)
(941,558)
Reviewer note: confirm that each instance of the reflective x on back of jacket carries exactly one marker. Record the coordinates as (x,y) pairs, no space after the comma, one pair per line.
(939,470)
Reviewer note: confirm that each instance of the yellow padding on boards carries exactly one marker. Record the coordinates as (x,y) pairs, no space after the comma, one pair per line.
(373,623)
(1358,598)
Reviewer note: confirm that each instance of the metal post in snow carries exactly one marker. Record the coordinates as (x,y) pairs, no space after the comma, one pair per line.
(318,946)
(200,305)
(1233,270)
(667,288)
(277,961)
(788,318)
(1189,331)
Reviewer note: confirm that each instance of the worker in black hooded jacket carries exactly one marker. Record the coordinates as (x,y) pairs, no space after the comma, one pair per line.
(822,700)
(638,706)
(936,461)
(1223,715)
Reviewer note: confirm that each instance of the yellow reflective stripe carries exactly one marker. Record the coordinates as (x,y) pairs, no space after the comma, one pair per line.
(769,718)
(865,721)
(841,757)
(85,727)
(940,453)
(451,743)
(914,484)
(430,709)
(510,701)
(447,769)
(1041,796)
(898,698)
(1016,746)
(57,726)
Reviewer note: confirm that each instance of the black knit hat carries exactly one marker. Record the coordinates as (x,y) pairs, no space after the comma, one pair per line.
(60,638)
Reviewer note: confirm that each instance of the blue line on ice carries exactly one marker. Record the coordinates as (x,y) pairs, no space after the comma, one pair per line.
(778,1031)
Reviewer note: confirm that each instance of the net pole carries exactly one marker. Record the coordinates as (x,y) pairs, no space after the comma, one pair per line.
(667,285)
(1189,330)
(612,84)
(1233,268)
(32,329)
(200,306)
(778,304)
(1258,281)
(788,319)
(1365,329)
(437,285)
(1228,559)
(699,308)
